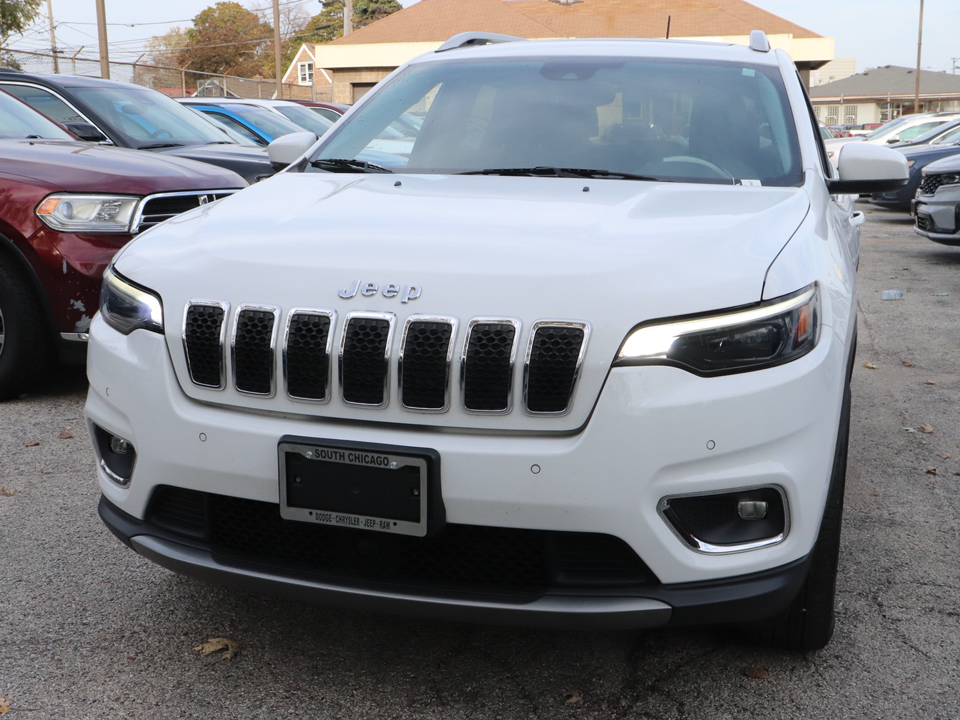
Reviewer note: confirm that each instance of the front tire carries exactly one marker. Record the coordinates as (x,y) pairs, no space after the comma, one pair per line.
(25,347)
(808,623)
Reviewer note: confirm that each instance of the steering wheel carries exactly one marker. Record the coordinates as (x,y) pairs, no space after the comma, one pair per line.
(700,161)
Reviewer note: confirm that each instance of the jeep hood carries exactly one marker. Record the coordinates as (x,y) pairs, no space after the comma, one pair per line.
(612,253)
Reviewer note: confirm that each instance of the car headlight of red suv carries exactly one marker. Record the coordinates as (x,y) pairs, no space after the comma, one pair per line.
(67,212)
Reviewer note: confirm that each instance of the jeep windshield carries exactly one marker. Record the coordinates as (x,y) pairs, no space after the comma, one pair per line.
(611,118)
(147,119)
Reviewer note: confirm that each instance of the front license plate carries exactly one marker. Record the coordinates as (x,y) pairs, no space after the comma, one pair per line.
(353,487)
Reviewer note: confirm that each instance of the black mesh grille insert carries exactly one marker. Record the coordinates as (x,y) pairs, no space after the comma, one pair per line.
(307,361)
(253,354)
(922,222)
(553,367)
(487,367)
(930,184)
(202,338)
(424,370)
(179,510)
(458,557)
(363,367)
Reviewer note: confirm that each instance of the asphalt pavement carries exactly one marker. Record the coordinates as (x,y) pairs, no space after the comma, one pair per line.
(88,629)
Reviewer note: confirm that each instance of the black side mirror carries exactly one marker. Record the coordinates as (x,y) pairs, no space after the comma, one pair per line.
(85,131)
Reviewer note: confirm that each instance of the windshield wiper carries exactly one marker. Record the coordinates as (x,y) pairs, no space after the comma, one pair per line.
(157,146)
(344,165)
(220,142)
(544,171)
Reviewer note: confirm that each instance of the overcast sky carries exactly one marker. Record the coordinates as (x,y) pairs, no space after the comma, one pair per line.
(875,32)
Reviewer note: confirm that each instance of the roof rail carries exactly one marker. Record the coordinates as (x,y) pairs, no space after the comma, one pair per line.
(759,42)
(468,39)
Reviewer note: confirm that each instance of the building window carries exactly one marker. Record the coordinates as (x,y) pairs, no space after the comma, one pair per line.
(850,114)
(833,111)
(306,73)
(816,110)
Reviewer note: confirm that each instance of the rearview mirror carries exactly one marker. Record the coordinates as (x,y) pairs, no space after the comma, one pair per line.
(864,168)
(894,139)
(284,150)
(85,131)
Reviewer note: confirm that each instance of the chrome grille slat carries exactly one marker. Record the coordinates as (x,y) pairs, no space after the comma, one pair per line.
(423,366)
(552,366)
(306,354)
(252,349)
(204,329)
(365,358)
(486,365)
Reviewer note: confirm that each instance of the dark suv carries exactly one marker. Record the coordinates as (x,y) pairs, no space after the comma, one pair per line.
(66,207)
(136,117)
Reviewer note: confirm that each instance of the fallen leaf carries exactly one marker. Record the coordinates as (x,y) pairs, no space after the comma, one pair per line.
(909,430)
(931,471)
(907,364)
(870,366)
(875,494)
(929,382)
(7,492)
(4,705)
(945,456)
(926,428)
(131,658)
(65,434)
(572,697)
(69,427)
(924,442)
(230,648)
(31,444)
(756,673)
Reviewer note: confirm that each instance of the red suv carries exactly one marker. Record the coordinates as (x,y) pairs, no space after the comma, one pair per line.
(66,207)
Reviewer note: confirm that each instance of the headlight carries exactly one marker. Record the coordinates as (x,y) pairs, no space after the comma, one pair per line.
(126,307)
(951,179)
(761,336)
(88,213)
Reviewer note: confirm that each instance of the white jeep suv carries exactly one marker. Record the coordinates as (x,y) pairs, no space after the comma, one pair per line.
(580,359)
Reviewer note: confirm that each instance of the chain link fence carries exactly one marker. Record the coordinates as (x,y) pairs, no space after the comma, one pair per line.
(174,82)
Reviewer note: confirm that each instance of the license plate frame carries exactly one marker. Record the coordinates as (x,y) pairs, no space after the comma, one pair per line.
(357,486)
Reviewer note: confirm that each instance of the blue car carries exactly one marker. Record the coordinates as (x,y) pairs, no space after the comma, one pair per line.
(255,123)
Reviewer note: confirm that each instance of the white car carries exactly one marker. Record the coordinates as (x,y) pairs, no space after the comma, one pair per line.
(902,130)
(583,360)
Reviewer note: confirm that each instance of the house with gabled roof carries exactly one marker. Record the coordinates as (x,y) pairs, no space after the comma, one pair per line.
(884,93)
(356,62)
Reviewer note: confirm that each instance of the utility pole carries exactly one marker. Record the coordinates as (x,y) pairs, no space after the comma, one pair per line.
(276,47)
(102,34)
(916,94)
(53,39)
(953,61)
(347,17)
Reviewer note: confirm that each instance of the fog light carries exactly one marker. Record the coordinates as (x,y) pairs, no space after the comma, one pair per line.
(117,456)
(731,521)
(752,509)
(120,446)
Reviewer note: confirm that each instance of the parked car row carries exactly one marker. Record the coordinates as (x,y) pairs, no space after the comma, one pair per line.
(85,165)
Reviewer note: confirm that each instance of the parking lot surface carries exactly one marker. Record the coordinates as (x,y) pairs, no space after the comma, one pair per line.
(88,629)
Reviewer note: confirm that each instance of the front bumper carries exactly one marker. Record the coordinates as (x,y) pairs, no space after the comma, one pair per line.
(937,216)
(714,602)
(655,432)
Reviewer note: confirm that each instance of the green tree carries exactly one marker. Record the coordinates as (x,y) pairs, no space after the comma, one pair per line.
(227,38)
(16,16)
(328,25)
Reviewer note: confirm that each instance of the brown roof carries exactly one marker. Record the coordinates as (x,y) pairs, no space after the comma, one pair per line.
(438,20)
